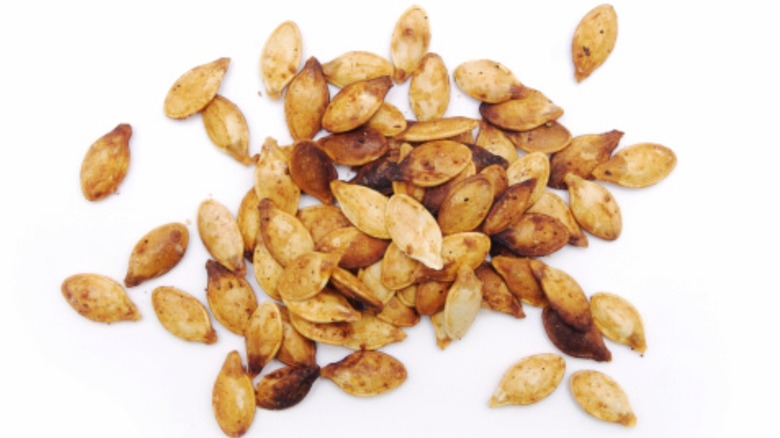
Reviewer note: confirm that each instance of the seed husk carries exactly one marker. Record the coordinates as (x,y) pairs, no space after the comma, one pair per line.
(431,296)
(99,298)
(548,138)
(585,345)
(326,306)
(156,253)
(409,42)
(353,288)
(266,269)
(306,275)
(496,142)
(248,219)
(364,207)
(280,58)
(296,350)
(227,128)
(583,154)
(230,297)
(552,205)
(534,235)
(183,315)
(284,235)
(483,158)
(437,129)
(464,299)
(272,177)
(442,338)
(466,205)
(388,120)
(305,101)
(221,236)
(528,112)
(520,280)
(535,166)
(355,104)
(233,397)
(332,333)
(105,164)
(356,147)
(285,387)
(371,277)
(320,220)
(408,295)
(594,207)
(312,170)
(495,293)
(366,373)
(263,336)
(529,380)
(414,230)
(398,314)
(593,40)
(509,207)
(398,268)
(602,397)
(488,81)
(193,90)
(618,320)
(434,196)
(565,295)
(356,248)
(467,248)
(371,333)
(356,66)
(429,90)
(636,166)
(434,163)
(496,174)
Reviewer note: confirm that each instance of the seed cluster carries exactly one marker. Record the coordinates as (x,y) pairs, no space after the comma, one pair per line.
(435,223)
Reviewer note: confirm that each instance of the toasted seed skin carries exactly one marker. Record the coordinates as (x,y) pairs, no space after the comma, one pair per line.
(325,307)
(414,230)
(105,164)
(467,248)
(366,373)
(466,205)
(585,345)
(354,148)
(273,180)
(434,162)
(227,128)
(305,101)
(536,166)
(548,138)
(496,141)
(437,129)
(183,315)
(488,81)
(306,275)
(388,120)
(409,42)
(280,58)
(618,320)
(371,333)
(230,297)
(312,170)
(593,40)
(266,269)
(429,90)
(594,208)
(193,90)
(636,166)
(233,397)
(221,236)
(509,207)
(334,333)
(284,235)
(431,296)
(285,387)
(354,289)
(495,293)
(519,278)
(528,112)
(602,397)
(583,154)
(529,380)
(296,350)
(534,235)
(248,220)
(99,298)
(320,220)
(397,268)
(355,104)
(565,295)
(356,248)
(552,205)
(356,66)
(156,253)
(365,208)
(263,336)
(398,314)
(464,300)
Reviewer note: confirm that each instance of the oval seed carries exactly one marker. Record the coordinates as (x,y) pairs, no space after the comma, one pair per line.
(585,345)
(285,387)
(442,338)
(583,154)
(193,90)
(536,166)
(488,81)
(509,207)
(528,112)
(99,298)
(158,251)
(280,58)
(594,207)
(397,268)
(306,275)
(305,101)
(409,42)
(366,373)
(398,314)
(233,397)
(353,288)
(333,333)
(219,232)
(495,293)
(593,40)
(565,295)
(431,296)
(602,397)
(483,158)
(365,208)
(227,128)
(414,230)
(296,350)
(388,120)
(320,220)
(434,163)
(355,104)
(312,170)
(356,248)
(263,336)
(326,306)
(640,165)
(182,315)
(354,148)
(429,90)
(552,205)
(273,180)
(467,248)
(534,235)
(618,320)
(371,277)
(548,138)
(520,280)
(285,236)
(466,205)
(356,66)
(464,299)
(496,141)
(371,333)
(230,297)
(248,219)
(267,270)
(530,380)
(437,129)
(105,164)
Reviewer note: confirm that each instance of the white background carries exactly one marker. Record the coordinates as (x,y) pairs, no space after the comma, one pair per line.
(698,254)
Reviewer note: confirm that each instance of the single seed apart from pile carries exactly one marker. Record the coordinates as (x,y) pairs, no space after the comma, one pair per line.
(529,380)
(594,39)
(602,397)
(183,315)
(233,397)
(99,298)
(280,58)
(195,89)
(106,162)
(366,373)
(158,251)
(618,320)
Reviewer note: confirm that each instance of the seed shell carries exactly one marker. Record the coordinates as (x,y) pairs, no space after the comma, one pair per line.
(640,165)
(285,387)
(182,315)
(305,101)
(593,40)
(488,81)
(156,253)
(464,299)
(193,90)
(280,58)
(529,380)
(434,163)
(227,128)
(429,90)
(583,154)
(99,298)
(284,235)
(356,66)
(296,350)
(233,397)
(263,336)
(618,320)
(528,112)
(602,397)
(105,164)
(312,170)
(355,104)
(365,208)
(221,236)
(366,373)
(414,230)
(585,345)
(594,207)
(230,297)
(565,295)
(409,42)
(272,178)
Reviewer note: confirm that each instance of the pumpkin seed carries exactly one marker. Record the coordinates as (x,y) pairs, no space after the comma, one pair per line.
(548,138)
(618,320)
(552,205)
(296,350)
(488,81)
(496,142)
(565,295)
(156,253)
(355,66)
(233,397)
(326,306)
(398,314)
(414,230)
(366,373)
(437,129)
(388,120)
(312,170)
(182,315)
(320,220)
(105,164)
(285,387)
(594,207)
(273,180)
(306,275)
(442,338)
(585,345)
(520,280)
(534,235)
(305,101)
(285,236)
(397,268)
(351,287)
(521,114)
(333,333)
(248,220)
(529,380)
(263,336)
(536,166)
(371,333)
(354,148)
(355,104)
(219,232)
(431,296)
(602,397)
(99,298)
(495,293)
(467,248)
(593,40)
(583,154)
(509,207)
(464,299)
(466,205)
(280,58)
(267,270)
(230,297)
(640,165)
(371,277)
(194,89)
(429,90)
(365,208)
(409,42)
(434,163)
(227,128)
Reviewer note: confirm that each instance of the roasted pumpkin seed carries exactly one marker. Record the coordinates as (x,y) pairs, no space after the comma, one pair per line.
(366,373)
(429,90)
(640,165)
(414,230)
(230,297)
(233,397)
(529,380)
(593,40)
(99,298)
(158,251)
(355,104)
(602,397)
(280,58)
(285,387)
(594,207)
(105,164)
(182,315)
(409,42)
(263,336)
(356,66)
(219,232)
(305,101)
(227,128)
(193,90)
(618,320)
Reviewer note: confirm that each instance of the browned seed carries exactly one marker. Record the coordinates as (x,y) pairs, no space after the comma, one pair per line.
(466,205)
(535,166)
(496,174)
(351,287)
(296,350)
(248,219)
(193,90)
(618,320)
(388,120)
(327,306)
(529,380)
(105,164)
(99,298)
(488,81)
(565,295)
(495,293)
(429,90)
(432,197)
(548,138)
(320,220)
(593,40)
(227,128)
(219,232)
(280,58)
(263,336)
(230,297)
(397,268)
(509,207)
(583,154)
(431,296)
(366,373)
(639,165)
(409,42)
(585,345)
(371,333)
(233,397)
(284,235)
(305,101)
(182,315)
(414,230)
(528,112)
(355,66)
(356,248)
(266,269)
(371,277)
(312,170)
(355,104)
(434,162)
(272,177)
(464,299)
(285,387)
(354,148)
(483,158)
(467,248)
(437,129)
(364,207)
(534,235)
(333,333)
(156,253)
(306,275)
(602,397)
(398,314)
(552,205)
(594,208)
(496,142)
(516,272)
(442,338)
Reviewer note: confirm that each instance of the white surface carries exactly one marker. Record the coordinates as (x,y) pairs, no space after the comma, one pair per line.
(697,256)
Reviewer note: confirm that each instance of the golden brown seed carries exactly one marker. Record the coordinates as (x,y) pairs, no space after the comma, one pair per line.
(534,235)
(466,205)
(106,162)
(263,336)
(280,58)
(509,207)
(536,166)
(306,275)
(398,314)
(618,320)
(409,42)
(496,142)
(565,295)
(305,101)
(497,177)
(398,268)
(355,66)
(548,138)
(333,333)
(285,387)
(442,338)
(272,178)
(414,230)
(467,248)
(353,288)
(530,380)
(320,220)
(365,208)
(434,163)
(227,128)
(602,397)
(528,112)
(495,293)
(312,170)
(585,345)
(552,205)
(99,298)
(355,104)
(182,315)
(158,251)
(366,373)
(593,40)
(284,235)
(431,296)
(296,350)
(488,81)
(230,297)
(388,120)
(583,154)
(434,196)
(429,90)
(408,295)
(371,277)
(516,272)
(267,270)
(248,219)
(219,232)
(464,299)
(640,165)
(233,397)
(356,248)
(594,207)
(193,90)
(437,129)
(327,306)
(371,333)
(354,148)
